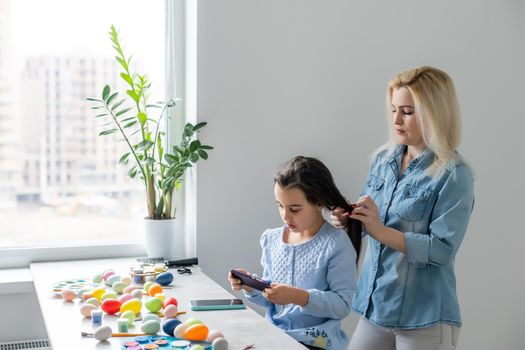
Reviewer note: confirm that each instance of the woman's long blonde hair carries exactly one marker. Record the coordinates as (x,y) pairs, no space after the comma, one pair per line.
(437,110)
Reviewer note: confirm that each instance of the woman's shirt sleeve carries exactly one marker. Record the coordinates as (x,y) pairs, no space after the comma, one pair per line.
(448,223)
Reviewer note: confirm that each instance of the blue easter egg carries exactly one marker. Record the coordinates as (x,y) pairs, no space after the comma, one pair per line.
(164,278)
(169,326)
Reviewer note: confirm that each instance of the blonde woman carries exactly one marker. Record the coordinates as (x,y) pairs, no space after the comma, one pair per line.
(415,208)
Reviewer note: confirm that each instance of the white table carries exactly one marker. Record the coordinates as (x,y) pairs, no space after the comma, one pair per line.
(64,322)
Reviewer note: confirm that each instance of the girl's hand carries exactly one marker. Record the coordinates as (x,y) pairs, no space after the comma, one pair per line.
(339,217)
(284,294)
(236,283)
(366,211)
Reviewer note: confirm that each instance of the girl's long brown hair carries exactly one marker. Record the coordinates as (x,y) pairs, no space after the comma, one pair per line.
(315,180)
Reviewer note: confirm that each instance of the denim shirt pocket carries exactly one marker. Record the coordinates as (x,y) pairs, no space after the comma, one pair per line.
(374,184)
(413,203)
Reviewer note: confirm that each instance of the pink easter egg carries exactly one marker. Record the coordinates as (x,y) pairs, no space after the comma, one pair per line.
(170,311)
(68,294)
(214,334)
(106,274)
(125,297)
(129,289)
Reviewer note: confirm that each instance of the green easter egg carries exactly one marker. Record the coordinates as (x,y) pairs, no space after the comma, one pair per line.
(130,315)
(109,295)
(150,327)
(191,321)
(118,287)
(154,304)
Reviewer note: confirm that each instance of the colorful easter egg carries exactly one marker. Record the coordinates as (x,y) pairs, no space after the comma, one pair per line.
(169,326)
(154,289)
(160,296)
(214,334)
(147,285)
(148,317)
(93,301)
(98,293)
(68,294)
(171,311)
(107,274)
(85,309)
(219,344)
(111,306)
(109,295)
(130,315)
(170,300)
(81,292)
(125,297)
(103,333)
(179,331)
(87,295)
(134,305)
(191,321)
(97,278)
(196,332)
(164,278)
(126,280)
(118,287)
(153,304)
(129,289)
(150,327)
(111,280)
(137,293)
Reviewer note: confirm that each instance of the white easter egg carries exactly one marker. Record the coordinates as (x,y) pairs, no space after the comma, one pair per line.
(219,344)
(103,333)
(85,309)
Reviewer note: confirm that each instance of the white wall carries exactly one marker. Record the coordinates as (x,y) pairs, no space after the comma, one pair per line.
(278,78)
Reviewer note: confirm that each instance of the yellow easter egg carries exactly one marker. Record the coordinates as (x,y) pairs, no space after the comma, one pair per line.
(160,296)
(133,305)
(98,293)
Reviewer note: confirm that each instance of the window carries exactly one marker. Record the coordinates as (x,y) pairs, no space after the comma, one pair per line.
(60,183)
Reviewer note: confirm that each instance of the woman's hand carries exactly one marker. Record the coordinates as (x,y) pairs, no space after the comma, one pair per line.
(366,211)
(236,283)
(339,217)
(284,294)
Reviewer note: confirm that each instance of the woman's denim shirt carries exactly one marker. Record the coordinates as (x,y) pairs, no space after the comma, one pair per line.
(416,289)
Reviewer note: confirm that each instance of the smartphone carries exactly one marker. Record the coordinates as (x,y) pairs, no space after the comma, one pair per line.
(216,304)
(251,281)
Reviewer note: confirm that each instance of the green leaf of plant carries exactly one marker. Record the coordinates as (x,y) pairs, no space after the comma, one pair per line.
(122,112)
(116,105)
(194,145)
(202,154)
(194,157)
(130,124)
(101,115)
(122,63)
(105,92)
(127,78)
(188,130)
(93,99)
(206,147)
(124,159)
(111,98)
(199,126)
(142,117)
(132,172)
(107,132)
(133,95)
(143,145)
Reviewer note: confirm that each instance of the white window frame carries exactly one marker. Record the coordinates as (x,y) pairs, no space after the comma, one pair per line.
(180,32)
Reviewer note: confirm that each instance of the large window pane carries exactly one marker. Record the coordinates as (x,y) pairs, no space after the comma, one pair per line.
(60,183)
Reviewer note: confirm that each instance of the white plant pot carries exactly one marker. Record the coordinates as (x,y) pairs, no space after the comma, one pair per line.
(159,237)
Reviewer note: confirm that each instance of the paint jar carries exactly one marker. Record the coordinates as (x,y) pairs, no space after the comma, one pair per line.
(122,325)
(96,317)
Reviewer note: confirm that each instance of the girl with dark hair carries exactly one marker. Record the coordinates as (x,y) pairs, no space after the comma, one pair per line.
(312,264)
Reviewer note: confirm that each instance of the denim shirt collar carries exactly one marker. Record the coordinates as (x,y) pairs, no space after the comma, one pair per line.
(425,158)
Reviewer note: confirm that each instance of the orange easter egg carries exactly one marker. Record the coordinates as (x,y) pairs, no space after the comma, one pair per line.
(155,289)
(196,332)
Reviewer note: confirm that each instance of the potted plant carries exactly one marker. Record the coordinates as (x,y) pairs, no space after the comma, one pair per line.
(160,171)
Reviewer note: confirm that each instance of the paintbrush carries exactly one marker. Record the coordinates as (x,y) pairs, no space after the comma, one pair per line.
(91,335)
